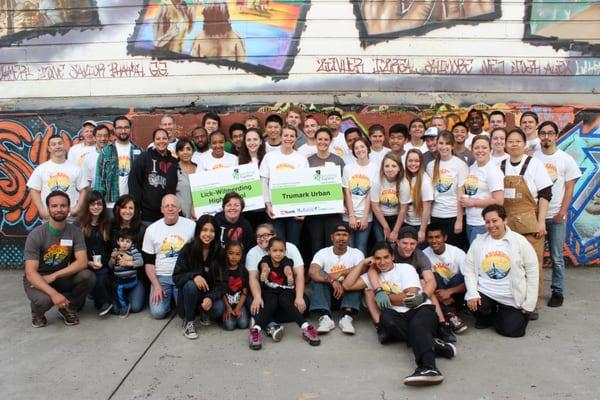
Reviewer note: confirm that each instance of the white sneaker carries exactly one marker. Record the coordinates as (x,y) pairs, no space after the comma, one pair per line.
(346,325)
(326,324)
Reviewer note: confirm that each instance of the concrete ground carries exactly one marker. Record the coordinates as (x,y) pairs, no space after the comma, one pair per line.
(140,358)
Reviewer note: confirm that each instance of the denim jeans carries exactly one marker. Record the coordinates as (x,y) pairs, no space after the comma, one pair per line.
(378,229)
(473,231)
(102,291)
(193,297)
(289,229)
(556,240)
(160,310)
(322,295)
(360,239)
(235,322)
(135,297)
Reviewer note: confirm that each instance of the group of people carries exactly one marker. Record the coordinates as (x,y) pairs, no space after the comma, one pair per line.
(444,221)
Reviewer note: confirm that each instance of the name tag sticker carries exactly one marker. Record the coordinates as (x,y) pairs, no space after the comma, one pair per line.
(136,152)
(510,193)
(66,242)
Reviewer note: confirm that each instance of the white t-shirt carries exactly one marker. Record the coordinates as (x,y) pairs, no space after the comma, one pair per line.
(396,280)
(78,152)
(533,144)
(494,271)
(535,176)
(89,167)
(386,194)
(426,195)
(124,166)
(339,147)
(452,176)
(377,156)
(166,241)
(359,180)
(447,264)
(50,176)
(423,148)
(480,184)
(269,148)
(196,156)
(256,254)
(307,150)
(277,161)
(498,160)
(562,168)
(470,137)
(332,263)
(207,162)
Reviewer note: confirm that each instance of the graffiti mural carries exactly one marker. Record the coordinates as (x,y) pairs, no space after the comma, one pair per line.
(21,19)
(259,36)
(550,20)
(23,143)
(379,20)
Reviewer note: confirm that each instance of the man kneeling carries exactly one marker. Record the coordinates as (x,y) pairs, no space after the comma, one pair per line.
(409,315)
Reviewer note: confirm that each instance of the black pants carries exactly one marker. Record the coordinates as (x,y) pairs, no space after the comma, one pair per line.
(278,300)
(320,227)
(416,327)
(447,224)
(75,288)
(508,321)
(102,291)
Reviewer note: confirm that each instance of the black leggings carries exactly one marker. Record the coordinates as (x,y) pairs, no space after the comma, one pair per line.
(508,321)
(415,327)
(278,300)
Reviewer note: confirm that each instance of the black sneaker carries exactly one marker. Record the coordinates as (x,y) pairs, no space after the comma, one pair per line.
(124,312)
(424,376)
(444,349)
(190,330)
(556,300)
(534,316)
(444,332)
(68,316)
(38,321)
(105,309)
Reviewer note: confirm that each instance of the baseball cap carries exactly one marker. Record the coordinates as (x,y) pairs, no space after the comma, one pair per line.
(431,132)
(408,232)
(341,227)
(90,122)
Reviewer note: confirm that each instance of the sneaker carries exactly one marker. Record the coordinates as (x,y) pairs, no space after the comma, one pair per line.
(105,309)
(533,316)
(556,300)
(444,332)
(457,324)
(424,376)
(38,321)
(68,316)
(311,336)
(346,325)
(255,339)
(204,319)
(276,332)
(190,330)
(326,324)
(443,349)
(124,312)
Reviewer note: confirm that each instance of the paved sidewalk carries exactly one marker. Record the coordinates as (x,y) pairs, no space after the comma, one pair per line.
(140,358)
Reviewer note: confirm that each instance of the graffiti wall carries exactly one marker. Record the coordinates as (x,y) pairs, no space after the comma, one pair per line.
(24,138)
(190,52)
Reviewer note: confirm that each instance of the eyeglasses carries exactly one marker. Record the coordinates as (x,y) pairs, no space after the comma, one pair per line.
(264,236)
(546,133)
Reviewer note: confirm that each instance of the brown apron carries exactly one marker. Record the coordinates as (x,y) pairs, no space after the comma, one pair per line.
(521,210)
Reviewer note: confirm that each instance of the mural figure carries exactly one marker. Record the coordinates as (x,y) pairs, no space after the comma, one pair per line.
(217,39)
(175,20)
(384,19)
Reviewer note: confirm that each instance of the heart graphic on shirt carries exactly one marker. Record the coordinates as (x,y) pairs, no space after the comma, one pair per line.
(235,233)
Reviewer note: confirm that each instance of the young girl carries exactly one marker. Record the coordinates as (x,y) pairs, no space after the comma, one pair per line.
(448,174)
(484,186)
(385,199)
(216,157)
(418,185)
(95,224)
(234,300)
(277,287)
(184,151)
(253,148)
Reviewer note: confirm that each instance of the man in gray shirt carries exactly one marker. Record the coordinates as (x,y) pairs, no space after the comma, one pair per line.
(55,264)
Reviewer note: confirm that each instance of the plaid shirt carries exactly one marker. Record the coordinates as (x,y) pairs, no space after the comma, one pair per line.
(107,171)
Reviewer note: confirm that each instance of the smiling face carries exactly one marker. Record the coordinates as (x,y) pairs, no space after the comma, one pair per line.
(406,246)
(437,241)
(323,141)
(417,129)
(234,255)
(95,208)
(377,139)
(361,151)
(127,212)
(200,138)
(431,142)
(294,119)
(185,154)
(211,125)
(237,137)
(206,234)
(232,210)
(528,125)
(390,169)
(102,136)
(56,147)
(87,133)
(495,225)
(397,141)
(334,122)
(170,208)
(413,163)
(440,123)
(288,139)
(460,134)
(217,144)
(498,141)
(496,121)
(122,130)
(263,235)
(515,145)
(58,208)
(383,260)
(168,125)
(475,123)
(273,131)
(444,147)
(253,141)
(548,137)
(310,127)
(277,251)
(481,151)
(161,141)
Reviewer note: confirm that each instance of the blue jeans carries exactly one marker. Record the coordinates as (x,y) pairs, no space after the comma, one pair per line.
(135,296)
(360,239)
(289,229)
(378,229)
(102,291)
(322,295)
(442,283)
(160,310)
(193,297)
(473,231)
(234,322)
(556,240)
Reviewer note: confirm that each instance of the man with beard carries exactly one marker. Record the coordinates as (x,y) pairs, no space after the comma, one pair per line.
(114,163)
(56,264)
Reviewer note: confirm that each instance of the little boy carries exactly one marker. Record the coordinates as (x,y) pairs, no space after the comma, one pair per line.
(124,261)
